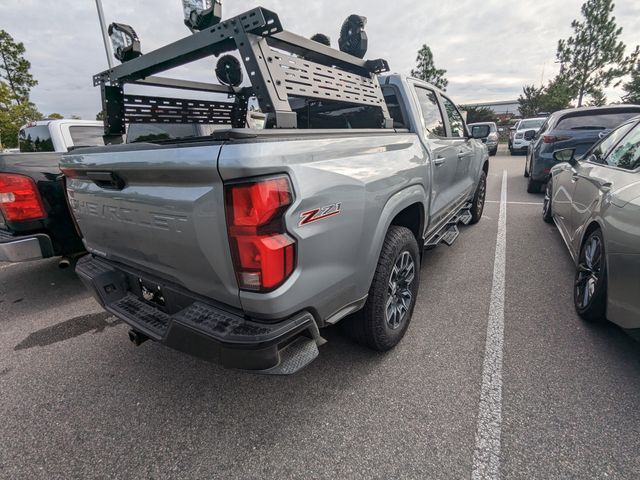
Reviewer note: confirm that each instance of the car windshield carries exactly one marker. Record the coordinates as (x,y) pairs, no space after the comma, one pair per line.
(602,121)
(529,124)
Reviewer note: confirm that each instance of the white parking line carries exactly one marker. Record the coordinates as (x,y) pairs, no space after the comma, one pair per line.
(486,457)
(539,204)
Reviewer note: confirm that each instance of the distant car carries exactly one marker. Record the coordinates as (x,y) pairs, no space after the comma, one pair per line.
(520,144)
(577,128)
(594,200)
(512,133)
(491,140)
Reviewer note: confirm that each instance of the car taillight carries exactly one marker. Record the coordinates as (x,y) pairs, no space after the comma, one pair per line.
(20,199)
(263,253)
(553,138)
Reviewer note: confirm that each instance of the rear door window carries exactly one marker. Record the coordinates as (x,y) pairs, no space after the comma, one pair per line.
(433,120)
(36,139)
(627,153)
(455,119)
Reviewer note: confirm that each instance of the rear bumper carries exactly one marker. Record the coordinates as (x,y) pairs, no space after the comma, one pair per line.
(197,327)
(24,248)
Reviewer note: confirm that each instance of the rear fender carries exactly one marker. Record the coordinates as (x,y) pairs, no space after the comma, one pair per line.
(395,204)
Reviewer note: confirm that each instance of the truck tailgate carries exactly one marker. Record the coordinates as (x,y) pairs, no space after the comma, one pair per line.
(158,208)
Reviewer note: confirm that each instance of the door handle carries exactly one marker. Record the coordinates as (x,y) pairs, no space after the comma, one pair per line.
(461,155)
(439,161)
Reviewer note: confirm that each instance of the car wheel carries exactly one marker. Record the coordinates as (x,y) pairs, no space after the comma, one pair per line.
(547,213)
(386,315)
(477,204)
(590,287)
(526,170)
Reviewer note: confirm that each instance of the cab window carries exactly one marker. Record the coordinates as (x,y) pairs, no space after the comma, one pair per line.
(627,153)
(433,121)
(455,119)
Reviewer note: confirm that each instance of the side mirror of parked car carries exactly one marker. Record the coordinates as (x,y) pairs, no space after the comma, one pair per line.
(480,131)
(529,135)
(565,155)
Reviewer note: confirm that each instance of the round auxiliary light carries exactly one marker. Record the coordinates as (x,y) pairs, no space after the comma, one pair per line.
(229,71)
(201,14)
(125,42)
(322,38)
(353,39)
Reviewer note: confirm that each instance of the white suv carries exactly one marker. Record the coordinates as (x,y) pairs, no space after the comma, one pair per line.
(520,144)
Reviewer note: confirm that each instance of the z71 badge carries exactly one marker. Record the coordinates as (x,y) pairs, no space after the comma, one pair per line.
(316,214)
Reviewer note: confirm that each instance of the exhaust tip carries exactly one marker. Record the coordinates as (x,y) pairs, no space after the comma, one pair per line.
(64,264)
(137,338)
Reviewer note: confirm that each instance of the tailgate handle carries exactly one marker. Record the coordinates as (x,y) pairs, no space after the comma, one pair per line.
(108,180)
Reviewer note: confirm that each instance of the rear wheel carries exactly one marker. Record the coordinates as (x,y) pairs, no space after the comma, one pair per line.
(386,315)
(477,204)
(590,288)
(533,186)
(526,167)
(547,213)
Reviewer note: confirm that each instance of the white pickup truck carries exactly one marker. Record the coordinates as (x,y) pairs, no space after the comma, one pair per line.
(60,135)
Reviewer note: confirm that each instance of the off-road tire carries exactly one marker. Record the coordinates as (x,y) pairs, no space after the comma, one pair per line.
(369,326)
(595,310)
(479,197)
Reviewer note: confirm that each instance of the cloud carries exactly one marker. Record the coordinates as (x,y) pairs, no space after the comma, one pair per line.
(489,49)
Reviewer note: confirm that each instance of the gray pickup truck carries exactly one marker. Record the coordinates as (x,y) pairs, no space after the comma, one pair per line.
(241,246)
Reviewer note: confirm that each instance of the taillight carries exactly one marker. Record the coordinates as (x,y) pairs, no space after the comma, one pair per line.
(553,138)
(19,198)
(263,253)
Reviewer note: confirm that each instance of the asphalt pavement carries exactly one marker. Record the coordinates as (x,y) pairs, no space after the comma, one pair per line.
(78,400)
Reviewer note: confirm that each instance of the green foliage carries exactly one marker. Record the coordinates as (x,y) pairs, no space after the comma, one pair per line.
(427,71)
(632,88)
(598,99)
(529,101)
(557,95)
(55,116)
(101,115)
(13,116)
(14,68)
(594,57)
(479,114)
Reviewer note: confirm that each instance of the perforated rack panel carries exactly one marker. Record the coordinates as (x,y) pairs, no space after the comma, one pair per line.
(144,109)
(305,78)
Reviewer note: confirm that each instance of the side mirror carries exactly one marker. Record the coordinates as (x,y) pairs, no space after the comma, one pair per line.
(480,131)
(529,135)
(513,129)
(565,155)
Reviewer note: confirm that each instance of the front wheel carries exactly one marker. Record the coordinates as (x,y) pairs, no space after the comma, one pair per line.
(386,315)
(590,287)
(547,211)
(477,204)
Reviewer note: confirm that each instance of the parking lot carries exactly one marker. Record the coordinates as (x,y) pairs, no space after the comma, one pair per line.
(80,401)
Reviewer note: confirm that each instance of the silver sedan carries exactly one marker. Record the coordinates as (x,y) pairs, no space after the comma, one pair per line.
(595,202)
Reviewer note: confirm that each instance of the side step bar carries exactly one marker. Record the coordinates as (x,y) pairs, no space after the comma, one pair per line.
(449,231)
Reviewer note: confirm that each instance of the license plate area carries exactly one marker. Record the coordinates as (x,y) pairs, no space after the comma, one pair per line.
(151,293)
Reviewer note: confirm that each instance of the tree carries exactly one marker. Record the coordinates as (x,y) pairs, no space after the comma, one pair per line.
(427,71)
(55,116)
(14,68)
(557,95)
(632,88)
(529,100)
(598,98)
(479,114)
(101,115)
(593,58)
(13,116)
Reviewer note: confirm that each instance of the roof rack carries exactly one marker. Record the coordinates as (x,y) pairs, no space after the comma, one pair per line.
(279,64)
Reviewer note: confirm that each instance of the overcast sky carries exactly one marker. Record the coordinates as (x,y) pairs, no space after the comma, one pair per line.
(489,48)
